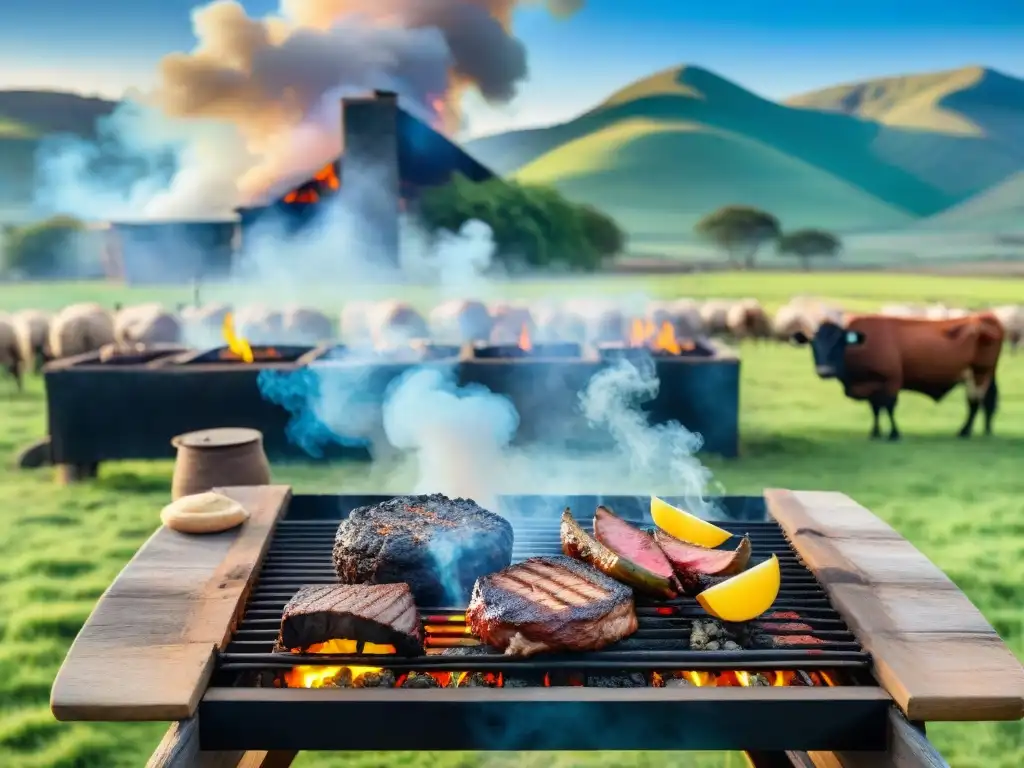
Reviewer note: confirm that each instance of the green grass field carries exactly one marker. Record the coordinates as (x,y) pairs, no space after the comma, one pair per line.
(958,501)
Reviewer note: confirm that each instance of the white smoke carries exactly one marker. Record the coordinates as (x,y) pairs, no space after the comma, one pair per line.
(458,436)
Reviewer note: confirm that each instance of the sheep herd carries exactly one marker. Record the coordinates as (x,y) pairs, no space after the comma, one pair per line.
(28,337)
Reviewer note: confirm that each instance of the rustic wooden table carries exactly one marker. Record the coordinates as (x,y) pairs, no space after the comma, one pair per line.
(147,652)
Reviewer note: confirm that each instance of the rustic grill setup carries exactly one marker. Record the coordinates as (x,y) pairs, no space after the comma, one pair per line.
(833,675)
(130,408)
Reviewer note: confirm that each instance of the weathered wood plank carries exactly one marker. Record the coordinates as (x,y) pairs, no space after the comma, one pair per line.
(180,749)
(933,651)
(908,748)
(147,651)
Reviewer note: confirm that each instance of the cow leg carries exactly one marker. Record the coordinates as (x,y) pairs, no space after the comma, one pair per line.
(976,391)
(890,408)
(876,410)
(990,402)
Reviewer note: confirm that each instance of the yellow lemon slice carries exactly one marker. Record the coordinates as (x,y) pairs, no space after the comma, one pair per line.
(686,527)
(744,597)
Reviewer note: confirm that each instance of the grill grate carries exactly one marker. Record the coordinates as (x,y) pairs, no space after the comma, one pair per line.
(248,707)
(803,630)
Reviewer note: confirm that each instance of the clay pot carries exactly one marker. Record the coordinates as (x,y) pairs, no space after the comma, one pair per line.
(214,458)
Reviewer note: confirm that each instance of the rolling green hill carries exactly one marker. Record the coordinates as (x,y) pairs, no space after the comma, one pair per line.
(998,209)
(674,146)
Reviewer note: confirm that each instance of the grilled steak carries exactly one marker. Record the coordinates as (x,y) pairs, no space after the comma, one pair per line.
(579,544)
(436,545)
(688,558)
(634,545)
(383,614)
(550,604)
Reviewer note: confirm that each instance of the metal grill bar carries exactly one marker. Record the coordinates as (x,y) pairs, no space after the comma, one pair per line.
(804,628)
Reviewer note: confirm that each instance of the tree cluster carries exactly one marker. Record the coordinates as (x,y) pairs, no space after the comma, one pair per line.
(742,231)
(533,226)
(40,249)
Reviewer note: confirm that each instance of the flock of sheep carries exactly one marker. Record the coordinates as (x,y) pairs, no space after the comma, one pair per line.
(30,337)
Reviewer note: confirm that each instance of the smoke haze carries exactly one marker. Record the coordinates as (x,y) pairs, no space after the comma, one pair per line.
(257,99)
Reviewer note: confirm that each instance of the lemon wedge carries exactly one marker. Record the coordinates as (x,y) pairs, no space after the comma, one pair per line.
(744,597)
(686,527)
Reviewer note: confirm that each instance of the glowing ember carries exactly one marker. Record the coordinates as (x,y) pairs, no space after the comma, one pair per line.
(320,676)
(236,344)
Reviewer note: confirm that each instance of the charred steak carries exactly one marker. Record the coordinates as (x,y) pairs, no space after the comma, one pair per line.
(436,545)
(383,614)
(550,604)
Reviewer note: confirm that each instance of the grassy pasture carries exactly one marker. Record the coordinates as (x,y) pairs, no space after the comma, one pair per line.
(958,501)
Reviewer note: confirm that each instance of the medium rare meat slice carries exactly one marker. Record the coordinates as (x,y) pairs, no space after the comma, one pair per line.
(634,545)
(382,614)
(436,545)
(579,544)
(550,604)
(687,557)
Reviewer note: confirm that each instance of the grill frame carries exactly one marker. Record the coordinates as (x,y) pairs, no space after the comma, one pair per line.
(850,717)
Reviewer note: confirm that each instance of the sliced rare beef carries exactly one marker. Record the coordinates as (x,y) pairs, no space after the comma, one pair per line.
(690,558)
(436,545)
(550,604)
(637,546)
(579,544)
(382,614)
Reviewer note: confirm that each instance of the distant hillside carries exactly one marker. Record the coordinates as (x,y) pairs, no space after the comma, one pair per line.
(999,209)
(25,116)
(665,150)
(973,101)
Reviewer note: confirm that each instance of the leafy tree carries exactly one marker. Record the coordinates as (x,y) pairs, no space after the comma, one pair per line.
(807,244)
(40,249)
(533,226)
(740,231)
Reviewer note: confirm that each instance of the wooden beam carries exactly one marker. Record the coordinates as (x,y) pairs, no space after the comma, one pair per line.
(147,651)
(180,749)
(932,649)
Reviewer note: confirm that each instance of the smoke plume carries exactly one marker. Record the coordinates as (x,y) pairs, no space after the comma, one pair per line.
(273,85)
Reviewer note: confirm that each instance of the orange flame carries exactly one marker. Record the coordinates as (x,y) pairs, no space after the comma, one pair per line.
(236,344)
(323,181)
(314,676)
(524,339)
(659,339)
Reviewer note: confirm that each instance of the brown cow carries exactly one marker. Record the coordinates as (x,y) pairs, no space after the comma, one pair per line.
(877,356)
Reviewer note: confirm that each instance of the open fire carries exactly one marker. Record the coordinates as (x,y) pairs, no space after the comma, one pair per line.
(645,334)
(240,350)
(324,183)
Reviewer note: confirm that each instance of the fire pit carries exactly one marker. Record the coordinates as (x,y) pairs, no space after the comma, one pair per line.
(825,669)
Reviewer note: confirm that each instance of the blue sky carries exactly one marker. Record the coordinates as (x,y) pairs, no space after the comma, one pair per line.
(775,49)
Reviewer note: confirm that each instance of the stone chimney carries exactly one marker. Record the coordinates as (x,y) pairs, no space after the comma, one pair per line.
(369,168)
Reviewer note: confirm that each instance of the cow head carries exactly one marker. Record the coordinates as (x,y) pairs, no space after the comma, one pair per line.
(829,345)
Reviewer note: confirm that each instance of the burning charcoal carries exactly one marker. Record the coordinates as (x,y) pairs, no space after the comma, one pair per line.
(478,680)
(760,641)
(343,679)
(729,645)
(420,680)
(713,645)
(802,678)
(758,681)
(624,680)
(382,678)
(698,637)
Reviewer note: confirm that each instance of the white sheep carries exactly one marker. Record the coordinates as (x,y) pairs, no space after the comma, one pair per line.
(32,328)
(395,323)
(460,321)
(146,324)
(303,325)
(10,355)
(203,326)
(258,324)
(510,322)
(80,328)
(747,319)
(714,316)
(1012,318)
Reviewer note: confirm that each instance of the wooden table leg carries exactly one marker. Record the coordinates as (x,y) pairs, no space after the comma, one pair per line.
(180,749)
